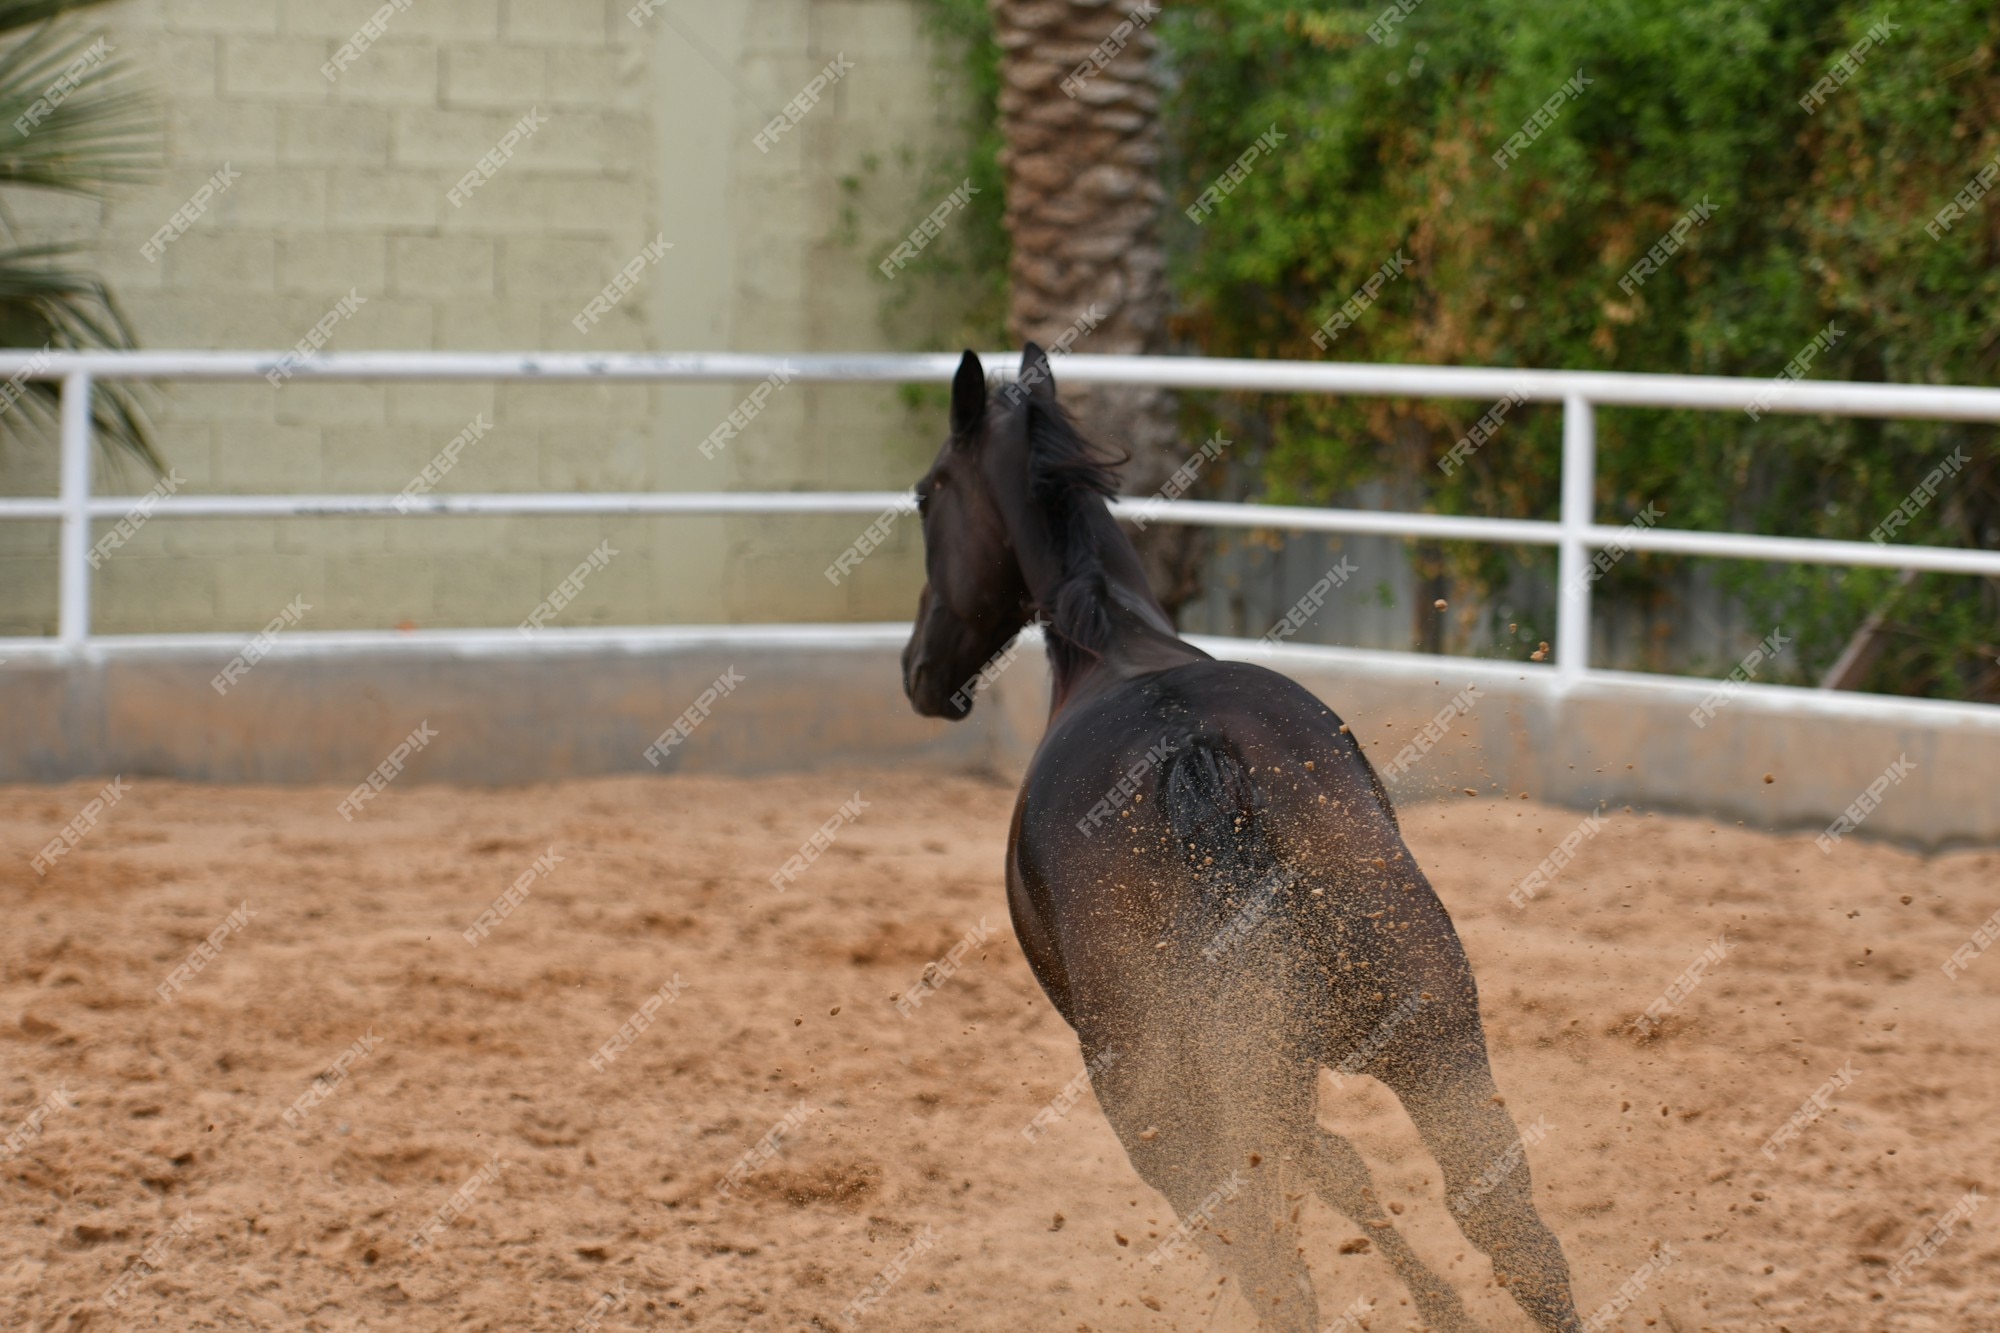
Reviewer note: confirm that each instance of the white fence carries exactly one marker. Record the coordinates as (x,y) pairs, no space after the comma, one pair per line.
(1575,535)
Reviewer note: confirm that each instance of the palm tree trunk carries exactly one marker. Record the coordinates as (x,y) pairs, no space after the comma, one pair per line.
(1083,209)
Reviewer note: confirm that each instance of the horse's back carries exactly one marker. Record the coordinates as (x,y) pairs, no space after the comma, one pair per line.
(1209,826)
(1266,732)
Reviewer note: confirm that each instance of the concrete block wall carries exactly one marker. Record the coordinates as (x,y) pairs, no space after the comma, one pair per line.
(343,189)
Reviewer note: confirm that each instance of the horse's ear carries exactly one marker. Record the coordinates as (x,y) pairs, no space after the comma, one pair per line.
(968,396)
(1036,376)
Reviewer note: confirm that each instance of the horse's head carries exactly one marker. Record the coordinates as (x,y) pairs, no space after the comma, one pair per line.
(974,598)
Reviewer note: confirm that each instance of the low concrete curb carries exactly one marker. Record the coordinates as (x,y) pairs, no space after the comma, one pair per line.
(506,712)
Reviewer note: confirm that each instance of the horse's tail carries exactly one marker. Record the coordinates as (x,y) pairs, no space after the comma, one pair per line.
(1217,812)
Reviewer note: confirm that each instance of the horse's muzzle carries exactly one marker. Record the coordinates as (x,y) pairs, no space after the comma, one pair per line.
(923,686)
(925,693)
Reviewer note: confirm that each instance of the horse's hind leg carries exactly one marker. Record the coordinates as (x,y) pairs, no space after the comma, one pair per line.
(1487,1184)
(1219,1158)
(1341,1178)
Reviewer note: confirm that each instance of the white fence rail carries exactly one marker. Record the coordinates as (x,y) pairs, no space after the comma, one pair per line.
(1575,535)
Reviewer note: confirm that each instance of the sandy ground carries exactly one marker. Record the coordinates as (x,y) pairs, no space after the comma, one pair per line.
(169,1146)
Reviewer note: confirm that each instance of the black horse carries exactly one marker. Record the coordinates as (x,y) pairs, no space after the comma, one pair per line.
(1207,877)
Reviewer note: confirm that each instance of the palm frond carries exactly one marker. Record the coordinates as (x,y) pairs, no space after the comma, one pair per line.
(73,115)
(76,119)
(18,14)
(44,304)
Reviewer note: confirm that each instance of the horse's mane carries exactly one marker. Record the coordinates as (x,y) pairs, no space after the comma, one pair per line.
(1068,478)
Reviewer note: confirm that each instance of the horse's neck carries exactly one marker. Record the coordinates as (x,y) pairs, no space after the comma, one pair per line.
(1142,636)
(1124,571)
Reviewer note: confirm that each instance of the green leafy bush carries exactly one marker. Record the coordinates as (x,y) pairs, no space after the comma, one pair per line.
(1817,219)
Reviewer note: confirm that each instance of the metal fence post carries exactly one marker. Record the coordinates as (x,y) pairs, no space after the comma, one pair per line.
(73,623)
(1579,484)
